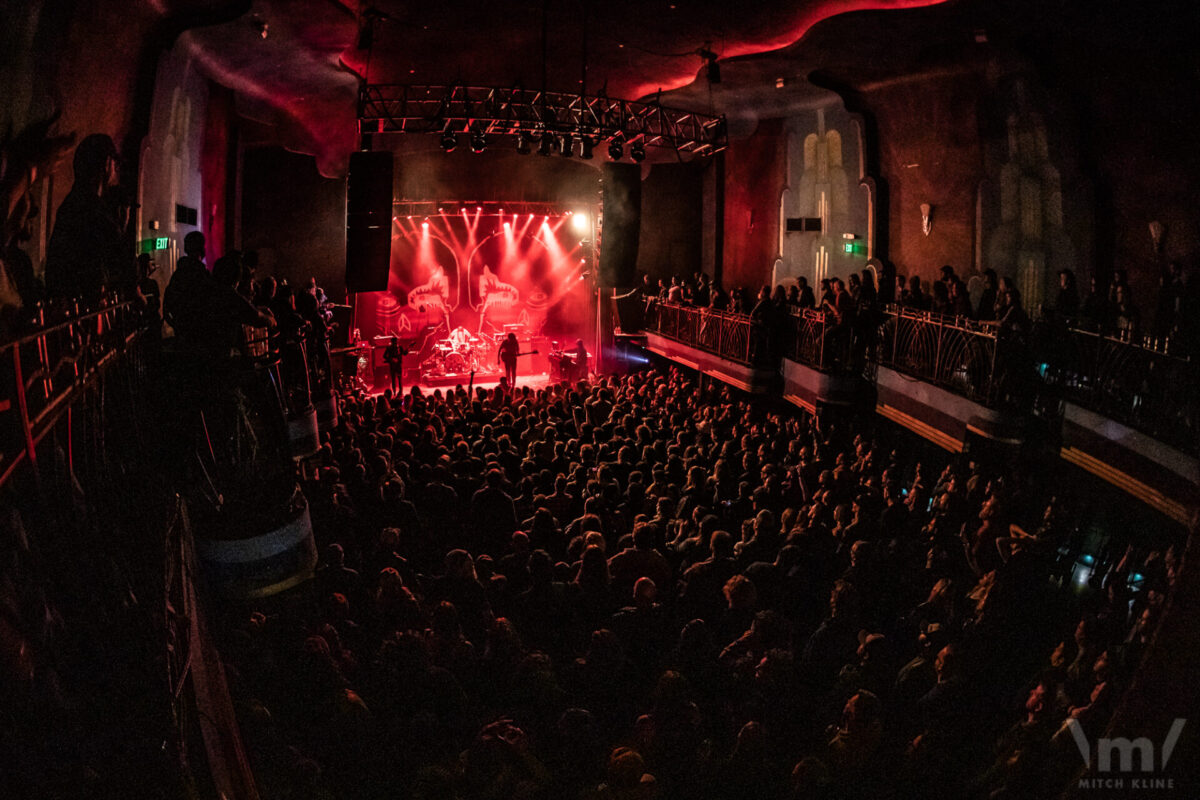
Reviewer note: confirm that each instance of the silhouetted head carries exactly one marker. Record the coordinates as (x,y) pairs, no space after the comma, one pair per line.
(95,161)
(193,244)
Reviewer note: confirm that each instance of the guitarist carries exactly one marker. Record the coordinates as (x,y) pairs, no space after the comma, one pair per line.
(394,356)
(507,355)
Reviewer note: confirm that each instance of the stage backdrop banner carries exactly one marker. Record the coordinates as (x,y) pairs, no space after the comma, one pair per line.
(480,273)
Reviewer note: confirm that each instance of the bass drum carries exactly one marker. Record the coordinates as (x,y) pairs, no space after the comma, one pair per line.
(456,363)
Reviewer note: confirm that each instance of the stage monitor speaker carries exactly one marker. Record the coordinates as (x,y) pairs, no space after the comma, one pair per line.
(368,221)
(622,198)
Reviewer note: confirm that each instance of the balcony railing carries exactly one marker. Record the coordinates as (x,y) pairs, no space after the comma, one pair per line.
(813,340)
(964,356)
(730,336)
(1133,382)
(42,370)
(1142,386)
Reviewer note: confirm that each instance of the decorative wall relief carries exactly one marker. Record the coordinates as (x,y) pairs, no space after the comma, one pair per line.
(823,166)
(1027,239)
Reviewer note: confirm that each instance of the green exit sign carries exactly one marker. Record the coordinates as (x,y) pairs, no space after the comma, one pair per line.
(157,243)
(854,248)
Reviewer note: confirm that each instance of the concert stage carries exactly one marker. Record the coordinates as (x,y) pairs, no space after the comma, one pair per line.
(463,279)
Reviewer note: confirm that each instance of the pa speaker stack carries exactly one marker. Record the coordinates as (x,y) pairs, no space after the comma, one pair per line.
(622,198)
(368,221)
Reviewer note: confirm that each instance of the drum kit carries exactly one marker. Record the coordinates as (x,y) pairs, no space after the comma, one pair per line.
(462,353)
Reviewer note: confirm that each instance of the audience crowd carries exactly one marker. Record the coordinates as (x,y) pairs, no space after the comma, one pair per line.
(643,588)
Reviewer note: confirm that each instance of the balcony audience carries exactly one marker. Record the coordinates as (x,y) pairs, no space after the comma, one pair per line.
(88,253)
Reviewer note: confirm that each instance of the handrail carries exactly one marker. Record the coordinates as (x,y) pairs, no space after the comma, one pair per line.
(1147,387)
(43,370)
(46,329)
(722,333)
(968,357)
(1138,381)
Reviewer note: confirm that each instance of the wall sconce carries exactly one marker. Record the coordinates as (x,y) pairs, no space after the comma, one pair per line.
(926,222)
(1156,234)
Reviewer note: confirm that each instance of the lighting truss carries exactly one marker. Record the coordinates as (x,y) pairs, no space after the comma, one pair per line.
(486,208)
(403,108)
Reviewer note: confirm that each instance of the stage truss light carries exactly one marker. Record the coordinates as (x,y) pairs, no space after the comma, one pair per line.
(413,108)
(523,147)
(586,144)
(616,148)
(449,140)
(637,151)
(546,145)
(479,141)
(567,146)
(580,222)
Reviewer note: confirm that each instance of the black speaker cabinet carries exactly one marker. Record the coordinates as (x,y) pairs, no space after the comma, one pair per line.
(622,198)
(368,221)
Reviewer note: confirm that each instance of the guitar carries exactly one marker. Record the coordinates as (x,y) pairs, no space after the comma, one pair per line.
(530,353)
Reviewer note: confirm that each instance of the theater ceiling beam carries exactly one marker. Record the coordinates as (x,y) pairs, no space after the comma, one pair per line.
(403,108)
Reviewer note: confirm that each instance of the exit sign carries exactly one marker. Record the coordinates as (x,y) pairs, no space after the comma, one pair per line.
(157,243)
(854,248)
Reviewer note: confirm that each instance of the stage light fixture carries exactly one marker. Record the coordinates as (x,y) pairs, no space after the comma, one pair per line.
(616,148)
(449,140)
(580,222)
(479,141)
(546,145)
(523,147)
(637,152)
(586,143)
(567,146)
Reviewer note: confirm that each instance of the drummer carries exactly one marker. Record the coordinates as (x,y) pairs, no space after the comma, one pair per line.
(461,339)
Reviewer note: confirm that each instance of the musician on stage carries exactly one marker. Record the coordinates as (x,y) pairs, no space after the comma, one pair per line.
(581,361)
(507,355)
(394,356)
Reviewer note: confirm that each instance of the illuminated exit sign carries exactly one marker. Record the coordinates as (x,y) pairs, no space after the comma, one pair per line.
(855,248)
(157,243)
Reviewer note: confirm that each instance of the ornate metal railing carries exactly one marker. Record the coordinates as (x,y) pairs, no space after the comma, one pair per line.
(1134,382)
(42,371)
(1142,386)
(813,341)
(962,355)
(728,335)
